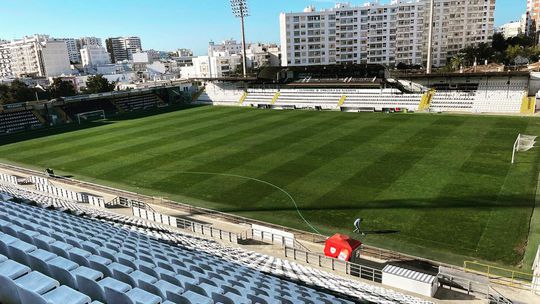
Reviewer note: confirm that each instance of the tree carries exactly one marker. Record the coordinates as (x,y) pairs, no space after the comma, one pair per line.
(454,63)
(5,94)
(499,43)
(18,91)
(61,88)
(98,84)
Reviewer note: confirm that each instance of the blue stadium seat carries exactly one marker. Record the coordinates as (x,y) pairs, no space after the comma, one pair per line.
(39,259)
(18,251)
(133,296)
(96,289)
(196,298)
(60,295)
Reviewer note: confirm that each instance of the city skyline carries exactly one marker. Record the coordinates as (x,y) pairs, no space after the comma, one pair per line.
(178,26)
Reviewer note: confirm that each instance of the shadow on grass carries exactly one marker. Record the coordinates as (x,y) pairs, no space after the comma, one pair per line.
(66,128)
(476,203)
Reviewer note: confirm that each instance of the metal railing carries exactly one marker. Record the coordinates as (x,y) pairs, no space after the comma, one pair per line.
(500,276)
(322,261)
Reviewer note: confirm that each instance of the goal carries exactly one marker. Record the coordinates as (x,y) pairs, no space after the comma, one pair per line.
(91,115)
(523,143)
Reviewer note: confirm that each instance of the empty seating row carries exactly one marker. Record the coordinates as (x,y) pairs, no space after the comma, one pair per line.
(453,101)
(137,101)
(18,121)
(20,284)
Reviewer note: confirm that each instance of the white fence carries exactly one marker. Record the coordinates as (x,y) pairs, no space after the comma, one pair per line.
(72,195)
(155,217)
(271,235)
(12,179)
(185,224)
(39,180)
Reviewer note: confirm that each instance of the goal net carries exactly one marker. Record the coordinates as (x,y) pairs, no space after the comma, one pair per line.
(91,115)
(523,143)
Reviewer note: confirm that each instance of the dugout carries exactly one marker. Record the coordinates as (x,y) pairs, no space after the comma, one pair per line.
(342,247)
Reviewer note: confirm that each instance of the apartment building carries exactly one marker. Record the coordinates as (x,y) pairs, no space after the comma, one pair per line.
(73,50)
(123,48)
(532,17)
(38,55)
(511,29)
(458,24)
(230,46)
(219,65)
(383,33)
(94,55)
(5,60)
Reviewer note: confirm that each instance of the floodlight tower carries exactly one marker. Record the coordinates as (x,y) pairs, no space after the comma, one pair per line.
(240,10)
(430,37)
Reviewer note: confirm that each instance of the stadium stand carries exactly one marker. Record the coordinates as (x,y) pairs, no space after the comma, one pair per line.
(221,94)
(64,252)
(500,96)
(381,99)
(325,99)
(497,96)
(137,102)
(20,120)
(453,101)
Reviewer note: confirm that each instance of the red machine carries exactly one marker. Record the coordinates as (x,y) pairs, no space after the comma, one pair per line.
(341,247)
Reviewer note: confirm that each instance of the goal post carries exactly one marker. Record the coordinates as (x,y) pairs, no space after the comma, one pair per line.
(100,114)
(523,143)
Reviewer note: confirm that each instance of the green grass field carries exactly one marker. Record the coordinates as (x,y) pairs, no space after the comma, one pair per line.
(443,181)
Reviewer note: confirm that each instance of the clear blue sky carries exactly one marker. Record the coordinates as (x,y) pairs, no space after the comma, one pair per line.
(166,24)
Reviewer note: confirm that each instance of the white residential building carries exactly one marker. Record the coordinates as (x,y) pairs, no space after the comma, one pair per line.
(36,55)
(141,57)
(220,65)
(511,29)
(123,48)
(73,50)
(260,55)
(230,46)
(383,33)
(94,55)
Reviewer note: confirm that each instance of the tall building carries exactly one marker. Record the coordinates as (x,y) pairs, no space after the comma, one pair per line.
(5,59)
(123,48)
(94,55)
(73,51)
(383,33)
(38,55)
(533,17)
(458,24)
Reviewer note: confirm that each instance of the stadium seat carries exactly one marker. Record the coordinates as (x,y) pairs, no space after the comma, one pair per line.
(60,295)
(132,296)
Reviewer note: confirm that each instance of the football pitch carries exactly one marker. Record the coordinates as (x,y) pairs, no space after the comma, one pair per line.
(443,183)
